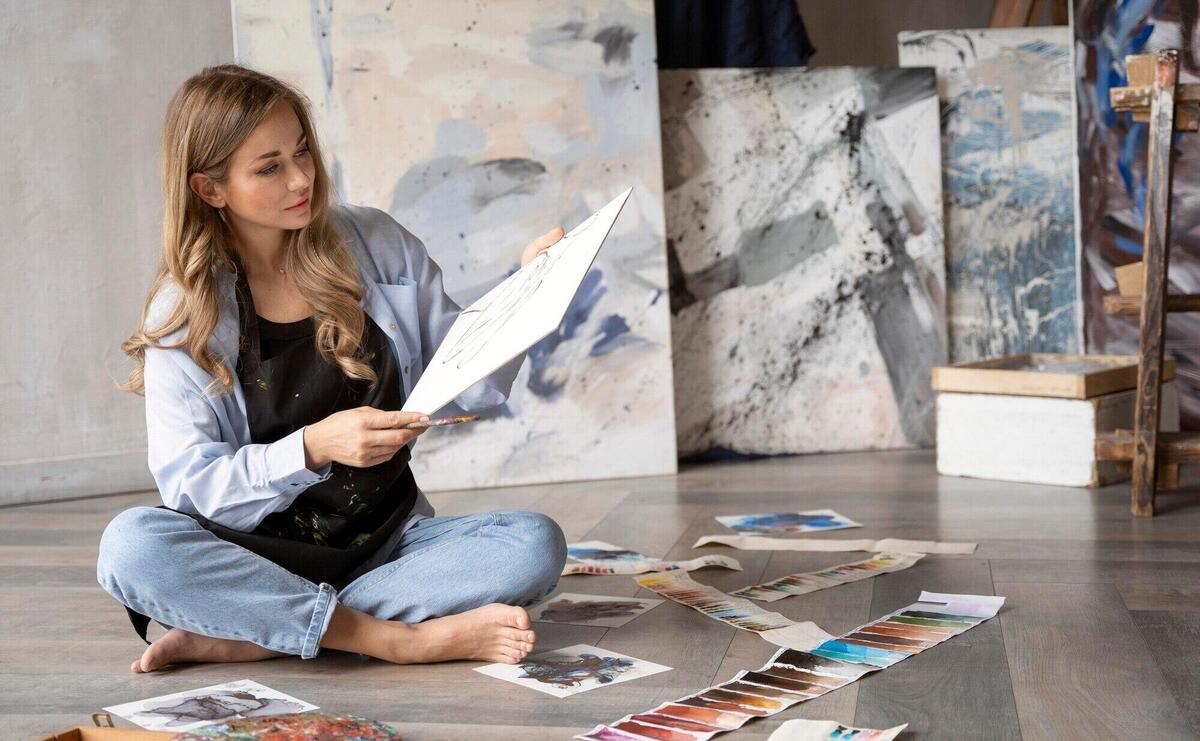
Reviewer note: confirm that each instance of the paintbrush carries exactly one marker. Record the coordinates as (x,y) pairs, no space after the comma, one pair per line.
(439,422)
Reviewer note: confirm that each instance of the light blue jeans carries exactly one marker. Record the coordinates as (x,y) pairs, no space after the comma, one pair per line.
(163,564)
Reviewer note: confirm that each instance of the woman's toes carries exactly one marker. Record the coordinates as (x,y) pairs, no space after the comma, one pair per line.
(517,617)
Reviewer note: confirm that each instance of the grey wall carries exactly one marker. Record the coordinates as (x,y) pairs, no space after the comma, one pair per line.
(84,88)
(862,33)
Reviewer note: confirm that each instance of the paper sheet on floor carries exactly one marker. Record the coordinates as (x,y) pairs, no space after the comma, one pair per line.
(740,613)
(599,558)
(182,711)
(813,520)
(792,676)
(880,563)
(563,672)
(800,729)
(828,545)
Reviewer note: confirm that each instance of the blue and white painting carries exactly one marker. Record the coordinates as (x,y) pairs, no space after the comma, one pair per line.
(1112,177)
(804,225)
(787,522)
(1009,187)
(480,126)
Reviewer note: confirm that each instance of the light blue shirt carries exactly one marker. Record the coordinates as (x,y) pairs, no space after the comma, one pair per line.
(200,452)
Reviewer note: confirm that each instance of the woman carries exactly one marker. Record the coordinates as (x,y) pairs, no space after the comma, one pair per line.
(278,339)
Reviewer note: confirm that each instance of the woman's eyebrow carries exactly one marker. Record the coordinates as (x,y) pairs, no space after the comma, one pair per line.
(275,152)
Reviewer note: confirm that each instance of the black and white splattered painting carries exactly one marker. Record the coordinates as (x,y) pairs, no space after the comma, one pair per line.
(805,246)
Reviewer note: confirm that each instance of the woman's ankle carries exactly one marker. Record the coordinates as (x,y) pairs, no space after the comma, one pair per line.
(357,632)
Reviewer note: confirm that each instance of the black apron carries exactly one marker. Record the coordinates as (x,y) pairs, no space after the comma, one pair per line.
(335,525)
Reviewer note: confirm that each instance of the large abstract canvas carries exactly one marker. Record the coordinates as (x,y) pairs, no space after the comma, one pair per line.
(1112,178)
(1008,165)
(479,127)
(804,228)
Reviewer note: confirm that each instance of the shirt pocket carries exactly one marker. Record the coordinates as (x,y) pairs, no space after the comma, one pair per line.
(405,325)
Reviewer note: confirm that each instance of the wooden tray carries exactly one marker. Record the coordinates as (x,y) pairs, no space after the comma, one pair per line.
(1045,374)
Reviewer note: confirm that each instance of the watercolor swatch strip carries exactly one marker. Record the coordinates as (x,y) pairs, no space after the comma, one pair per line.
(568,671)
(599,558)
(880,563)
(739,613)
(800,729)
(787,522)
(591,609)
(823,545)
(793,676)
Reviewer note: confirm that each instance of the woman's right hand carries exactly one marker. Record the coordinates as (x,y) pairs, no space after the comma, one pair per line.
(359,437)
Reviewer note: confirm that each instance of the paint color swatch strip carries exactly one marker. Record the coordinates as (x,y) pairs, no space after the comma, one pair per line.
(793,676)
(739,613)
(830,545)
(880,563)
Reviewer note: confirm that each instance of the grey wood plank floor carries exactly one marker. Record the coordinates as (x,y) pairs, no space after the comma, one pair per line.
(1099,638)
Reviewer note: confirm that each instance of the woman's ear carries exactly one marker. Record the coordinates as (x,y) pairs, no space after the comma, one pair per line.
(203,186)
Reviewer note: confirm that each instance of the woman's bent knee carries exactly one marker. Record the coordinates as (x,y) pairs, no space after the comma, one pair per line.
(544,551)
(127,548)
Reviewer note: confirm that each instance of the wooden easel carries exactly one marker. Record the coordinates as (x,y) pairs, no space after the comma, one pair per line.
(1154,96)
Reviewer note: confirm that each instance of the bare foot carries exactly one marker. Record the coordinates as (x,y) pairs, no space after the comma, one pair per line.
(179,646)
(490,633)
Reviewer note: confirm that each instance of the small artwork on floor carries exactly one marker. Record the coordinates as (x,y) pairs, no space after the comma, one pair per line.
(599,558)
(190,709)
(799,729)
(591,609)
(568,671)
(787,522)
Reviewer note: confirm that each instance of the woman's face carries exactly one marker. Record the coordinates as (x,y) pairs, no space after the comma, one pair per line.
(270,176)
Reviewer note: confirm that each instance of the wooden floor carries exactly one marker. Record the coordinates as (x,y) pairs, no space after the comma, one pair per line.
(1099,638)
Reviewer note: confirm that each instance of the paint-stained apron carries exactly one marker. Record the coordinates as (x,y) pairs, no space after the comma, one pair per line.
(335,525)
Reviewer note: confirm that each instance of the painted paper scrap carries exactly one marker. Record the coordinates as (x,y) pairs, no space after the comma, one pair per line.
(787,522)
(599,558)
(880,563)
(892,545)
(183,711)
(801,729)
(793,676)
(591,609)
(739,613)
(568,671)
(295,726)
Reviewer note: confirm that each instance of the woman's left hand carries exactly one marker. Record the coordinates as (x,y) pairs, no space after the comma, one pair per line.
(541,244)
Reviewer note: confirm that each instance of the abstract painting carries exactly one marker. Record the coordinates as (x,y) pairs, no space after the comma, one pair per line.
(805,249)
(568,671)
(591,609)
(1112,178)
(787,522)
(189,709)
(1008,179)
(480,126)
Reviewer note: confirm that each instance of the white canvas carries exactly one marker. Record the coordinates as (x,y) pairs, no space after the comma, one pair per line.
(568,671)
(514,315)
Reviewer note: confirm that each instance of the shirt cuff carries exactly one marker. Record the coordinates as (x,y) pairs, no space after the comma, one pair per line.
(286,464)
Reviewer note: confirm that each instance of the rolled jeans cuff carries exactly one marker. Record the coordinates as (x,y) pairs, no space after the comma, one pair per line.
(322,614)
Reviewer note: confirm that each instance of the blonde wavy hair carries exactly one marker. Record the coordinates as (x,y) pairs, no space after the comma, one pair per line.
(208,118)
